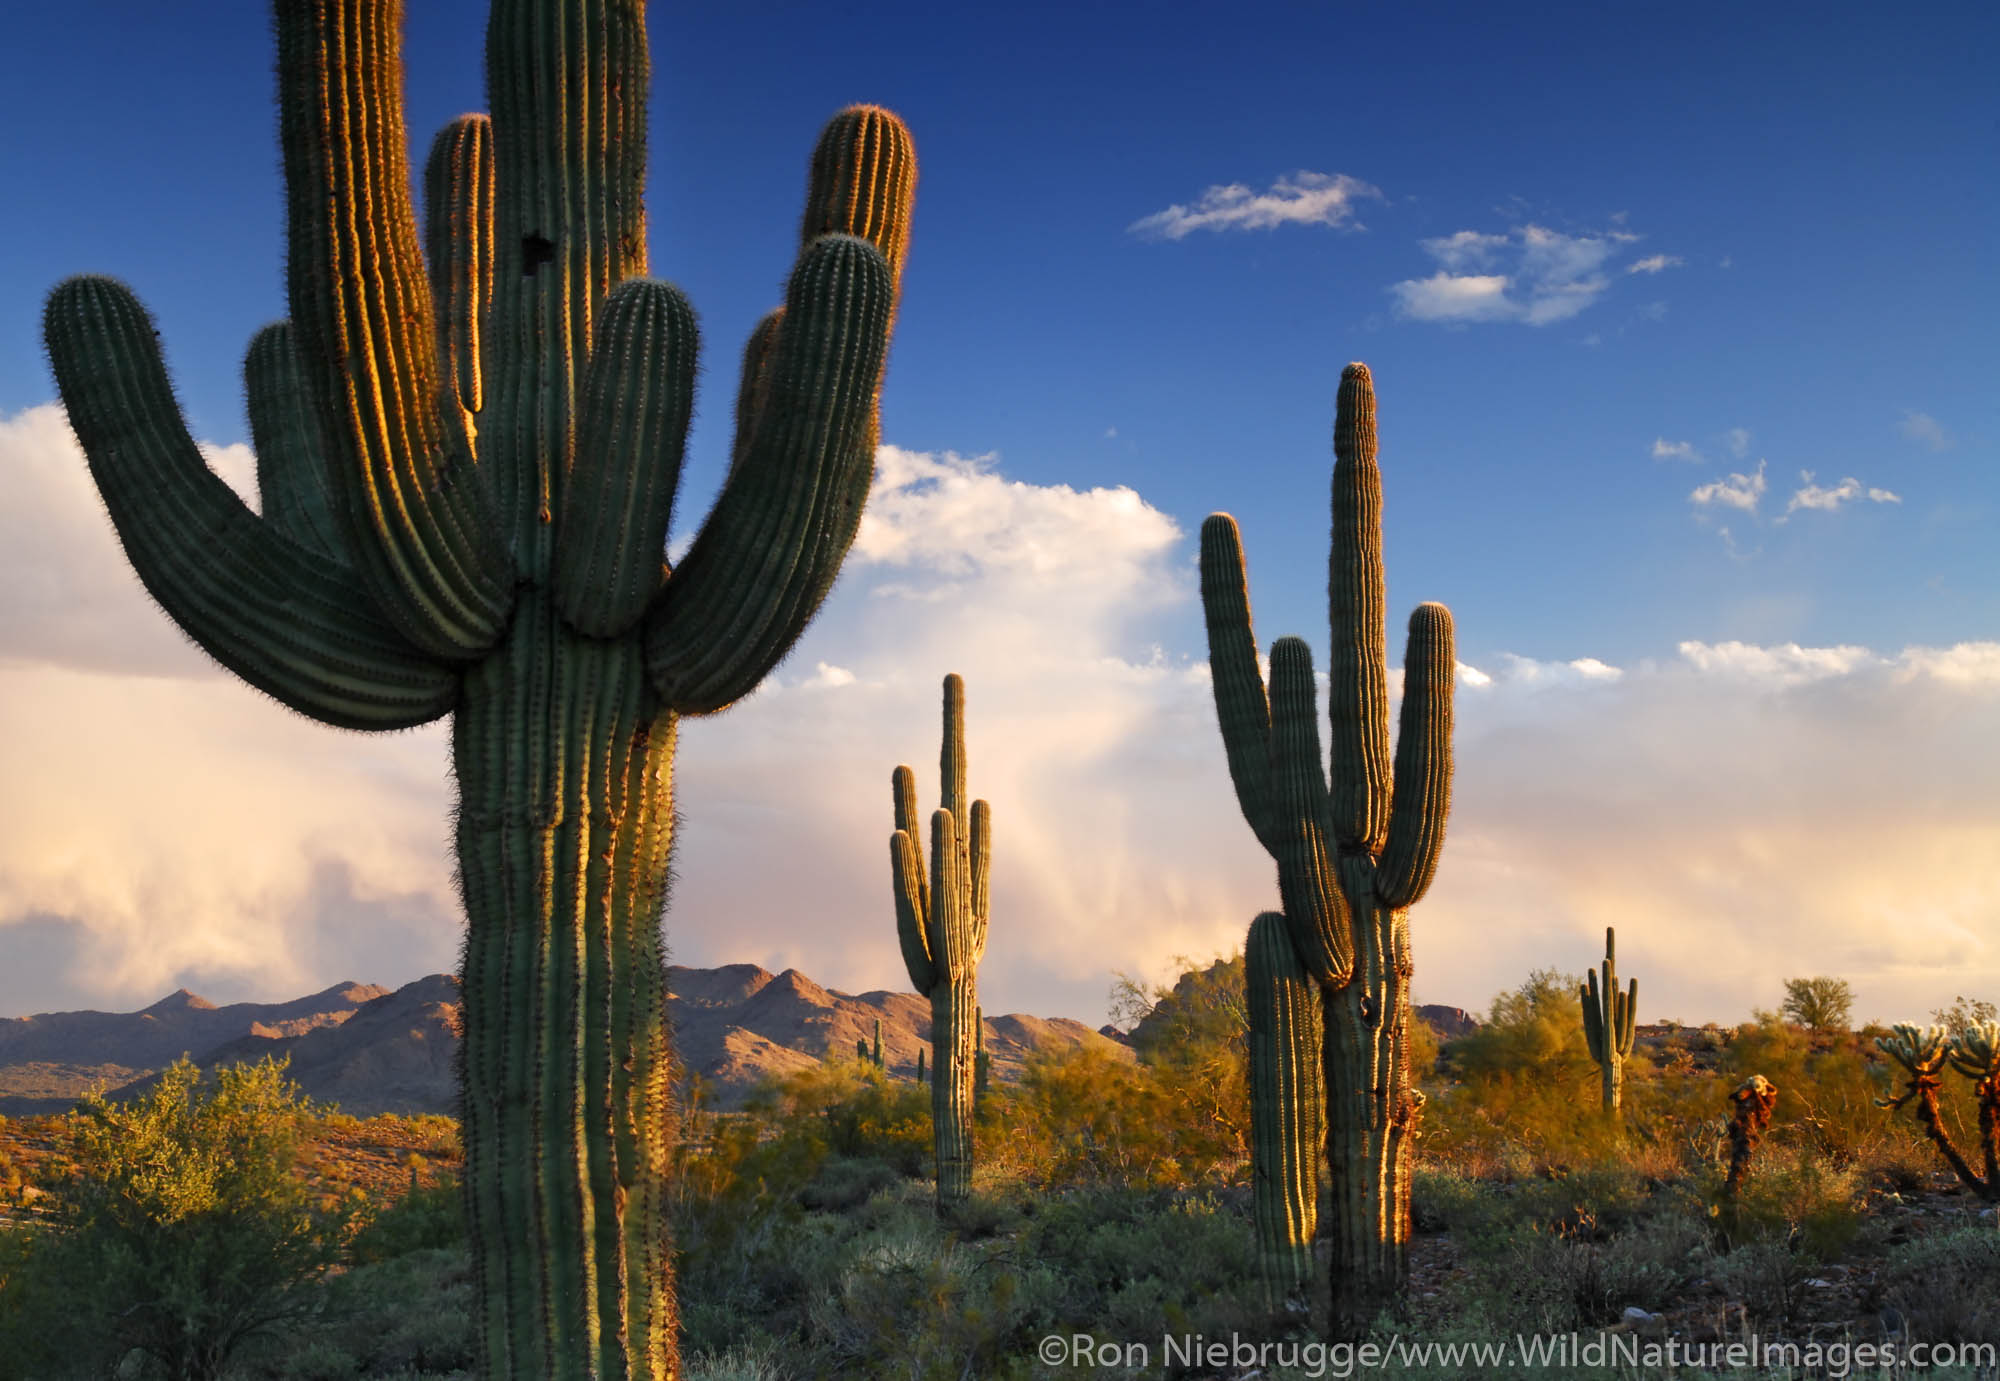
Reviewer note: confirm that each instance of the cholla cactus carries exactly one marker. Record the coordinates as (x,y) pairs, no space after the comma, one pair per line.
(468,468)
(1925,1053)
(1608,1017)
(941,925)
(1353,854)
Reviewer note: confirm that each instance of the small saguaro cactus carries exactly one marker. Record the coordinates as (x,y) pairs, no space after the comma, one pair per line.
(1285,1119)
(922,1073)
(941,926)
(1924,1053)
(1608,1017)
(1354,854)
(982,1063)
(468,445)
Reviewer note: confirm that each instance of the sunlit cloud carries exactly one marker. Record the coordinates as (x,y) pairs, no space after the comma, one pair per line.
(1533,275)
(1732,491)
(1828,498)
(1301,198)
(1730,806)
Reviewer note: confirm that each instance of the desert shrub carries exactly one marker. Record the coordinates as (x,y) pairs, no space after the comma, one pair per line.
(1947,1285)
(1079,1117)
(176,1230)
(1768,1278)
(428,1216)
(409,1316)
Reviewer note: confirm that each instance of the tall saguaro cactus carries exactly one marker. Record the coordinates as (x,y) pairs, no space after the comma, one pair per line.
(468,468)
(941,925)
(1354,853)
(1608,1017)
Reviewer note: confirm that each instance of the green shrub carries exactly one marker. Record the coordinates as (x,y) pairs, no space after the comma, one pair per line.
(428,1216)
(178,1231)
(1947,1285)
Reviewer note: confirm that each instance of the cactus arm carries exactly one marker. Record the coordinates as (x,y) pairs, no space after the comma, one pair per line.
(981,864)
(418,522)
(458,244)
(784,522)
(283,618)
(1629,1013)
(951,757)
(906,876)
(567,87)
(632,430)
(863,180)
(1359,698)
(1422,799)
(284,431)
(1241,704)
(1309,884)
(1593,1017)
(1285,1106)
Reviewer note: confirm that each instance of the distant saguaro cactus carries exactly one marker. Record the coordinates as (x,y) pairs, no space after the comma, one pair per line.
(1608,1017)
(468,469)
(941,926)
(1352,856)
(1286,1121)
(1974,1052)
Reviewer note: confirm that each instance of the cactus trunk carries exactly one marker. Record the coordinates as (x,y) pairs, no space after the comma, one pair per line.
(565,823)
(954,1035)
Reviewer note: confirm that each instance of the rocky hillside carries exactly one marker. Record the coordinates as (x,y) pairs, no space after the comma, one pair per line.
(374,1051)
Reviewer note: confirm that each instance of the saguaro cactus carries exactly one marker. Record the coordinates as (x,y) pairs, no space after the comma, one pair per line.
(941,925)
(1608,1017)
(468,471)
(1354,855)
(1974,1052)
(1285,1110)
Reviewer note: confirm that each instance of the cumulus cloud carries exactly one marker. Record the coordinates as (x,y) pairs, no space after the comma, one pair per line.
(1921,426)
(1826,499)
(1728,806)
(1732,491)
(1302,198)
(1533,275)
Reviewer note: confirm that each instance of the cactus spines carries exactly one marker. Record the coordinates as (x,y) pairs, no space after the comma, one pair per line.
(467,468)
(1608,1022)
(1925,1053)
(941,927)
(1285,1112)
(1353,853)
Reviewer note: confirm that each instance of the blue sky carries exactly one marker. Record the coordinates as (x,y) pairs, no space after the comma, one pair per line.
(1682,325)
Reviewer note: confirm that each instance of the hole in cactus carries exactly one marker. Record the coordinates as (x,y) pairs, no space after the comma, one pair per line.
(536,251)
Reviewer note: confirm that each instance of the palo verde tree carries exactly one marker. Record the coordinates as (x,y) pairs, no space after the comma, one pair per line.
(468,447)
(1354,855)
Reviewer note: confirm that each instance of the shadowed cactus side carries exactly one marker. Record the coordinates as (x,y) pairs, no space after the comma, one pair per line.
(941,927)
(1285,1113)
(468,469)
(1608,1023)
(1925,1053)
(1353,853)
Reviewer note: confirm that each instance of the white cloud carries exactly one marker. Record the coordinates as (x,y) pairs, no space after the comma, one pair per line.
(1533,275)
(1732,491)
(1302,198)
(1921,426)
(1664,449)
(1739,442)
(1728,808)
(1654,263)
(1815,496)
